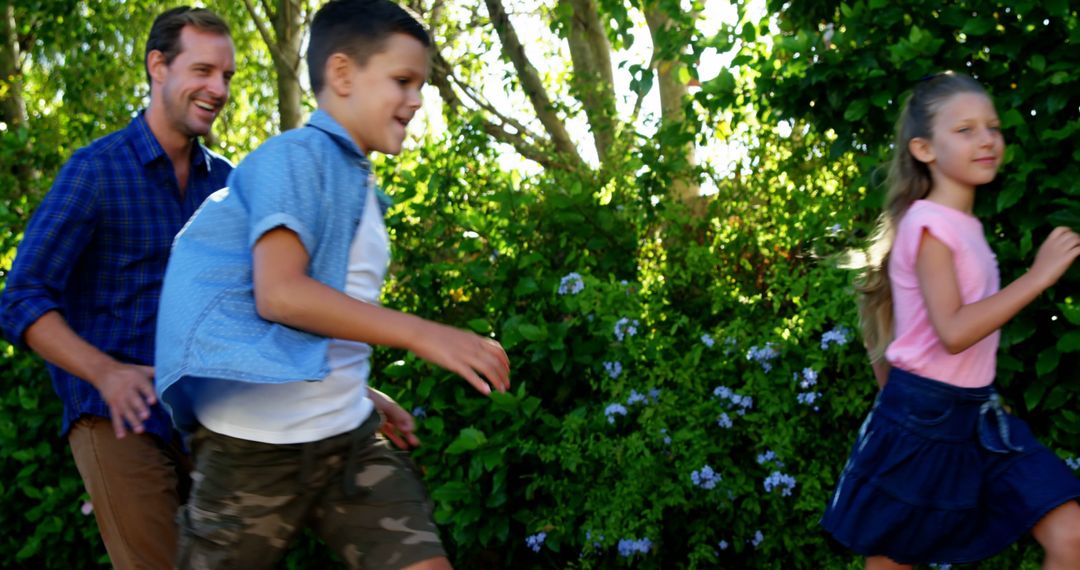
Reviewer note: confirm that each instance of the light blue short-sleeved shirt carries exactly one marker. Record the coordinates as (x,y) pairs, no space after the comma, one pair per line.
(313,181)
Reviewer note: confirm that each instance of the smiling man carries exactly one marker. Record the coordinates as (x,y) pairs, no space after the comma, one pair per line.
(83,290)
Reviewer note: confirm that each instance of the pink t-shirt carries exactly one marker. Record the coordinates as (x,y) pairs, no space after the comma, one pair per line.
(916,347)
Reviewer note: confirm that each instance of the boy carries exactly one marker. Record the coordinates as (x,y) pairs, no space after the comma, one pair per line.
(269,297)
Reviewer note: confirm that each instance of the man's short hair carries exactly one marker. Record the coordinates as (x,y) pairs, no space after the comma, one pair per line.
(358,29)
(165,32)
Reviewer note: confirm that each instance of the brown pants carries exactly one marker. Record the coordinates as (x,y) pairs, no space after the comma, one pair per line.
(136,485)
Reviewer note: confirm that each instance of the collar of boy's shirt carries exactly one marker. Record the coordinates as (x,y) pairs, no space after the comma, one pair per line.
(325,122)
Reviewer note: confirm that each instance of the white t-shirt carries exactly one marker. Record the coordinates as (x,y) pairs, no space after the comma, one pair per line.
(299,412)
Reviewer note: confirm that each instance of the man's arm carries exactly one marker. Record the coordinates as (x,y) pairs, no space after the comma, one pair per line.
(128,389)
(285,293)
(56,237)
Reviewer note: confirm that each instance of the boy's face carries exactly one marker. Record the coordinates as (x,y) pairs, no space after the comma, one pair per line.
(384,94)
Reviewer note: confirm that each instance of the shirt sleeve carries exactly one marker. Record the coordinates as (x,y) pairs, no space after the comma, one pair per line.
(282,187)
(55,238)
(918,221)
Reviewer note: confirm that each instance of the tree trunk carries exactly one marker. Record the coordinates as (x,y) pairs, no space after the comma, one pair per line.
(12,104)
(673,94)
(593,83)
(287,25)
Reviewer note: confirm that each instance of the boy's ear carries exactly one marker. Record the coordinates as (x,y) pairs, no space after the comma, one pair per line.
(339,74)
(921,149)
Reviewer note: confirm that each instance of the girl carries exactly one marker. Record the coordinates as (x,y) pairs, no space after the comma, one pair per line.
(940,472)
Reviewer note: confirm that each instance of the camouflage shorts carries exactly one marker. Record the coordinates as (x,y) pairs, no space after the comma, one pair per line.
(359,494)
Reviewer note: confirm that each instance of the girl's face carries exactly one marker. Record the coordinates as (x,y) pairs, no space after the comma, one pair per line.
(965,146)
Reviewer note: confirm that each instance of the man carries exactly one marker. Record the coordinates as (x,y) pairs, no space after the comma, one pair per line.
(83,291)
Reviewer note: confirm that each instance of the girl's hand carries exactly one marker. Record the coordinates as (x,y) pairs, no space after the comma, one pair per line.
(1056,255)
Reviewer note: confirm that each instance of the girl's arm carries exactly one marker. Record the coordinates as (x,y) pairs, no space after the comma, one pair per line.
(960,326)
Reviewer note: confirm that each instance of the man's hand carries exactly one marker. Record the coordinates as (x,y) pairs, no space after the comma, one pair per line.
(128,389)
(398,425)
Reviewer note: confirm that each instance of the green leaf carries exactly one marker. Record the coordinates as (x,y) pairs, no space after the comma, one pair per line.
(1057,397)
(468,440)
(451,492)
(558,360)
(1009,196)
(1047,361)
(857,110)
(1071,312)
(480,325)
(1069,342)
(1037,62)
(979,26)
(1034,392)
(532,332)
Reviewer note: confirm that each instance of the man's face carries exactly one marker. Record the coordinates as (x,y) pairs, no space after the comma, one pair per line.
(195,86)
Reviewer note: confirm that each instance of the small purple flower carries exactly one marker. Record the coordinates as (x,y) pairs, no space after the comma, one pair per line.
(769,455)
(629,547)
(536,541)
(834,230)
(808,398)
(635,398)
(654,394)
(782,481)
(810,377)
(723,545)
(419,412)
(838,336)
(705,478)
(625,327)
(763,355)
(613,369)
(707,340)
(667,438)
(612,410)
(571,284)
(86,508)
(724,421)
(758,539)
(1073,463)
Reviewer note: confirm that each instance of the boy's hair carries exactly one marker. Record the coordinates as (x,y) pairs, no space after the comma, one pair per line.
(165,32)
(908,180)
(358,29)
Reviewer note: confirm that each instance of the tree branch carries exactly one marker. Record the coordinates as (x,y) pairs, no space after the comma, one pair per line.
(281,62)
(530,81)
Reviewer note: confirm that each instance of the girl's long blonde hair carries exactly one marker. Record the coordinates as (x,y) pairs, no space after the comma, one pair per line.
(908,180)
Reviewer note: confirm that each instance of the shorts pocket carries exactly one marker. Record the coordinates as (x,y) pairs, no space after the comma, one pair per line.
(207,539)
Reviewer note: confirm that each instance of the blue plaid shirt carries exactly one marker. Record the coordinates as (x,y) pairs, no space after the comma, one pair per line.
(96,249)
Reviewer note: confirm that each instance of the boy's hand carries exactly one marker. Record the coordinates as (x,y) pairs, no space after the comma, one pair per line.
(471,356)
(398,425)
(1055,255)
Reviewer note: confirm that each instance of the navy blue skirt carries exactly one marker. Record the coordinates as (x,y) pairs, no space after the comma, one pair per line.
(942,474)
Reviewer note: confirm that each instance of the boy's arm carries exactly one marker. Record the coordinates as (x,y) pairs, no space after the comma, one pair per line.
(960,326)
(285,293)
